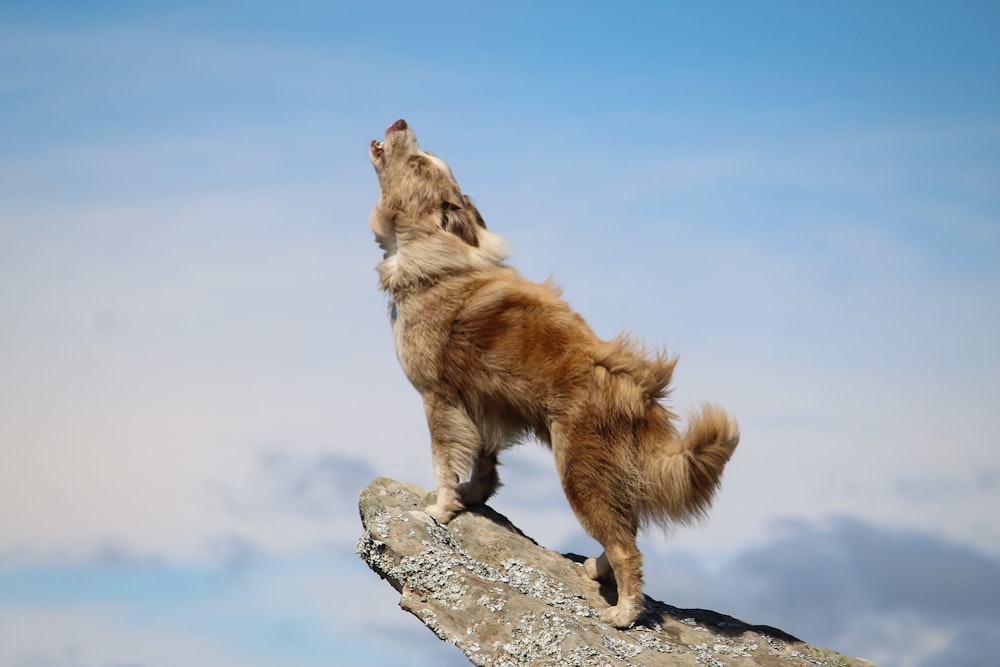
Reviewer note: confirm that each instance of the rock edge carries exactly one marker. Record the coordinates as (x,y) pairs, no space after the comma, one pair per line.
(481,584)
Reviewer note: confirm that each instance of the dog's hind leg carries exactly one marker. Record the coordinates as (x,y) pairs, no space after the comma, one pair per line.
(626,561)
(604,509)
(484,482)
(455,443)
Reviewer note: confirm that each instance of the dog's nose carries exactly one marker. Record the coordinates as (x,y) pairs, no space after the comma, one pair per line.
(398,126)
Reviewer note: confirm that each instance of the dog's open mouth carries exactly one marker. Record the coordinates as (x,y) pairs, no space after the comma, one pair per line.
(377,147)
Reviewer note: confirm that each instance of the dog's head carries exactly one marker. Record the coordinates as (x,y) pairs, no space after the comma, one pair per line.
(422,214)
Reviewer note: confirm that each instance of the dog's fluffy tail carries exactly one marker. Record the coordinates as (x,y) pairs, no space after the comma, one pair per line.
(682,476)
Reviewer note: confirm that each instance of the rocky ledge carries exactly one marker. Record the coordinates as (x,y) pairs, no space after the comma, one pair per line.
(481,584)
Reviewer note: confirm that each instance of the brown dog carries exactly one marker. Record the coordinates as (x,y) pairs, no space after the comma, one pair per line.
(498,359)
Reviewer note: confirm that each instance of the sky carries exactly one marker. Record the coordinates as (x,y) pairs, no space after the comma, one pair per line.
(197,375)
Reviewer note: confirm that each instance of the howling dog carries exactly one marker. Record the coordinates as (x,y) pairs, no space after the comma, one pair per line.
(498,359)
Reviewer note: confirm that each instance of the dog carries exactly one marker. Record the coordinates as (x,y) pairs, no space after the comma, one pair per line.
(499,359)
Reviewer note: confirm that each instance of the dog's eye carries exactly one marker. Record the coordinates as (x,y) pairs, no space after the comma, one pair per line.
(448,206)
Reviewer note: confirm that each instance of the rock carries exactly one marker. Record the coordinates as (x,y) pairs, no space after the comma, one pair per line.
(503,600)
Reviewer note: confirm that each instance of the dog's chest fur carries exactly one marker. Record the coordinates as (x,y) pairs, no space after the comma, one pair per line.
(420,332)
(407,349)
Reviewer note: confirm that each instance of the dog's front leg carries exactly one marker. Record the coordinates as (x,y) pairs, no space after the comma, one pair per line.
(455,442)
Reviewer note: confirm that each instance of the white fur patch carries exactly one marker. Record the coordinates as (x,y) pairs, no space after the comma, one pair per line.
(492,247)
(439,163)
(397,332)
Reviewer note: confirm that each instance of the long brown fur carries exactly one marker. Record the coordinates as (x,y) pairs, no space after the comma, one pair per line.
(498,358)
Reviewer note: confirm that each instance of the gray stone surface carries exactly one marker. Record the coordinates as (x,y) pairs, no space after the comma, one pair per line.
(503,600)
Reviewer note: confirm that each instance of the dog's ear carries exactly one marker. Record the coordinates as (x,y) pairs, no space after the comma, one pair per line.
(462,220)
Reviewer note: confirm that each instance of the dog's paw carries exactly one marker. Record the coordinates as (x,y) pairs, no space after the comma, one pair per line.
(443,515)
(621,615)
(597,569)
(443,507)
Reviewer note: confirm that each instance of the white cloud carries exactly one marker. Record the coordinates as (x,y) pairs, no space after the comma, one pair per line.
(899,598)
(240,324)
(89,635)
(300,611)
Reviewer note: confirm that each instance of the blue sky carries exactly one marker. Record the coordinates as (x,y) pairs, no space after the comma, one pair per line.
(197,377)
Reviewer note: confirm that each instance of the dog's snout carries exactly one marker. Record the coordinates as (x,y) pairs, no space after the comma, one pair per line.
(398,126)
